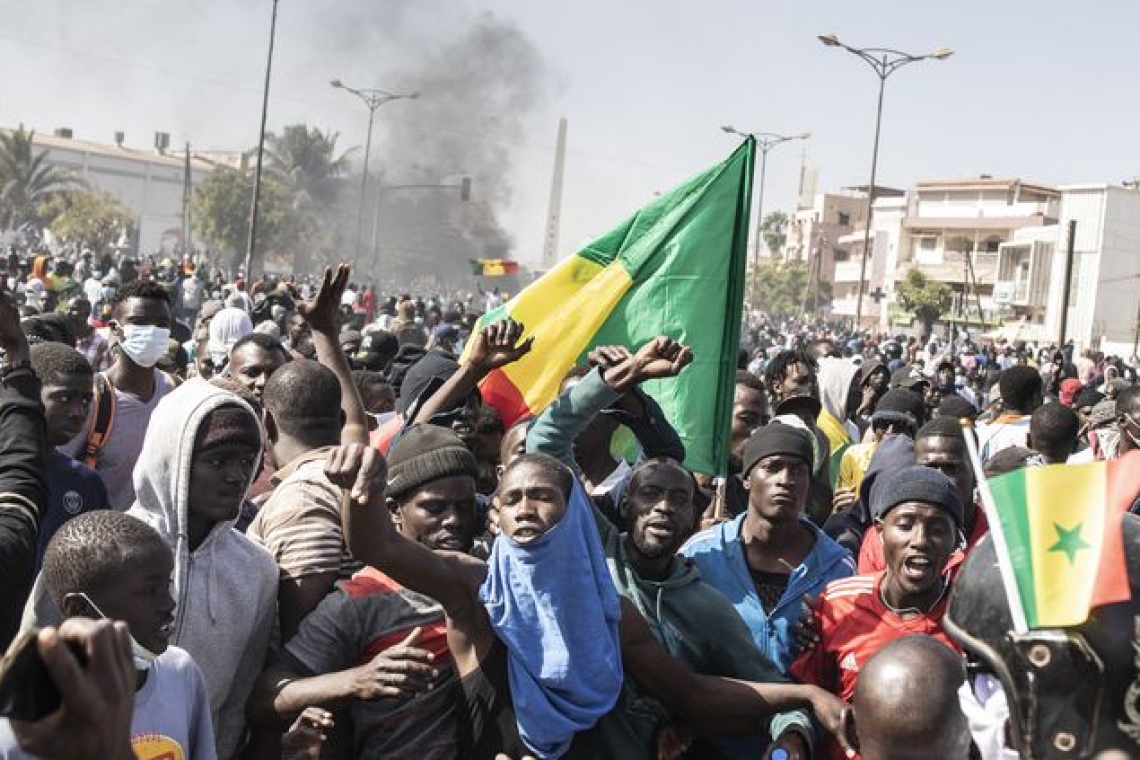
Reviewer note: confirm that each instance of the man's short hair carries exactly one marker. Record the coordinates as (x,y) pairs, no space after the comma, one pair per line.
(92,550)
(558,472)
(142,289)
(54,361)
(941,427)
(1020,387)
(303,396)
(262,340)
(1053,429)
(749,380)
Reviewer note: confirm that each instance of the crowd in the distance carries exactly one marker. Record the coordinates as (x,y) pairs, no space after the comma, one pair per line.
(319,541)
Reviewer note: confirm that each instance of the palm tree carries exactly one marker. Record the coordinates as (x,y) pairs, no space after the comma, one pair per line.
(304,159)
(27,180)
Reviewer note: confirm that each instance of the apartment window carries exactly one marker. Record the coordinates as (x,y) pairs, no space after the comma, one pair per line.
(927,244)
(844,219)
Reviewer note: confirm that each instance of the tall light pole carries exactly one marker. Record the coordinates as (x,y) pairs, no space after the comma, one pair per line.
(373,99)
(252,241)
(765,141)
(885,62)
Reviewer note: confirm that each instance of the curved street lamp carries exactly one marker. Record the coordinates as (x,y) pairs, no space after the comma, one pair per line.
(372,99)
(884,62)
(765,141)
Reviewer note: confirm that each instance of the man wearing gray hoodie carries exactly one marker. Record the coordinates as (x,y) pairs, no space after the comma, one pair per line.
(199,458)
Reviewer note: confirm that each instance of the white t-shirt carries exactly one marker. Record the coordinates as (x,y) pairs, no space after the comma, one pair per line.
(171,719)
(116,461)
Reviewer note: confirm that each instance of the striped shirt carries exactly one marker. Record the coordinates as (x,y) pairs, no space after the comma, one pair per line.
(300,524)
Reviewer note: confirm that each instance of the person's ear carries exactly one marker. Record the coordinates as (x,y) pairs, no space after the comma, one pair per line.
(270,424)
(394,508)
(848,736)
(77,605)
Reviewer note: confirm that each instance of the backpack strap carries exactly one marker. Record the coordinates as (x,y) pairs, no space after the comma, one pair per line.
(105,403)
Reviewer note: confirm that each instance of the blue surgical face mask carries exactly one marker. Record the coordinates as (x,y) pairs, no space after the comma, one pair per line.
(142,657)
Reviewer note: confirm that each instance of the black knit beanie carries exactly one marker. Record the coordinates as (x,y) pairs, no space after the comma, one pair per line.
(918,483)
(777,438)
(425,453)
(899,406)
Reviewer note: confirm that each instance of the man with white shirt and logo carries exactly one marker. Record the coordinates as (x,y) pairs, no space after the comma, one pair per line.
(127,393)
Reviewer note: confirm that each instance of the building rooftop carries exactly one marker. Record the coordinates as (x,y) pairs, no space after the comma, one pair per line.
(173,158)
(984,182)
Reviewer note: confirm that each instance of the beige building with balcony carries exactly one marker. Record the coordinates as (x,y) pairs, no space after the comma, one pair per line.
(884,242)
(953,230)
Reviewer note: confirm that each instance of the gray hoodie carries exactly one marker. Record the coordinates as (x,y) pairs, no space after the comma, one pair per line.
(226,589)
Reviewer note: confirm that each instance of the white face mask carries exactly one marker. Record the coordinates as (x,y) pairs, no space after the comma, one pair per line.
(142,657)
(144,344)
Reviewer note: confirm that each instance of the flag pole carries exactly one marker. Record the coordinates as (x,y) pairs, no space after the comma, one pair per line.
(1001,550)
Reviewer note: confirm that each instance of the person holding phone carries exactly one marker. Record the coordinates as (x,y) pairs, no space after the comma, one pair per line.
(110,565)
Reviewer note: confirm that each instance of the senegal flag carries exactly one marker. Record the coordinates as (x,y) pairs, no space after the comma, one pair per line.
(1062,526)
(675,268)
(493,267)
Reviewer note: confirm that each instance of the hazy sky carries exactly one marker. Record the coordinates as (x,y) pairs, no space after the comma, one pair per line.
(1043,90)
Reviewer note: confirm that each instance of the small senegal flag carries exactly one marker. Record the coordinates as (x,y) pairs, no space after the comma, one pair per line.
(493,267)
(1062,525)
(675,268)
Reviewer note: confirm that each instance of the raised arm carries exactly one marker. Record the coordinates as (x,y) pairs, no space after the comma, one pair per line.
(451,579)
(323,315)
(614,380)
(496,345)
(712,705)
(23,486)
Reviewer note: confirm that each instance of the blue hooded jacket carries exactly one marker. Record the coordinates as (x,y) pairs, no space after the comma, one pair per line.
(719,554)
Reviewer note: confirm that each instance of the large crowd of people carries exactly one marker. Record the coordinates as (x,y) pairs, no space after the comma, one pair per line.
(274,518)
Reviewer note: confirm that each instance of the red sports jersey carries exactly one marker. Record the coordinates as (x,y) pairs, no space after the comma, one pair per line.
(854,625)
(871,550)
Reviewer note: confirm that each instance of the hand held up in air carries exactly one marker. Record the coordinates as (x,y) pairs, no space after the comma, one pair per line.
(358,469)
(498,344)
(322,312)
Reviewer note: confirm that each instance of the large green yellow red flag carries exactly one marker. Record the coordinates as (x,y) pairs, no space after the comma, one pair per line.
(675,268)
(1062,527)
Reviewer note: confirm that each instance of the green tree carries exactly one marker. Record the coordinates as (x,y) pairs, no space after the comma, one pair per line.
(775,231)
(27,180)
(926,299)
(220,207)
(784,288)
(304,160)
(95,220)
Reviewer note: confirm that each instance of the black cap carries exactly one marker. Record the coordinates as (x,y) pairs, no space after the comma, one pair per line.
(777,438)
(918,483)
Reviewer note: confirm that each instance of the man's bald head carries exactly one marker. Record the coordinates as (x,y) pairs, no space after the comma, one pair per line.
(906,703)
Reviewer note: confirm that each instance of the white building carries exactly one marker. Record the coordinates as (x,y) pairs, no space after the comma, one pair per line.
(818,222)
(884,242)
(1104,288)
(148,182)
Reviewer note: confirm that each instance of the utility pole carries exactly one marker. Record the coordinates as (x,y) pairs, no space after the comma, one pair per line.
(1068,282)
(554,210)
(251,243)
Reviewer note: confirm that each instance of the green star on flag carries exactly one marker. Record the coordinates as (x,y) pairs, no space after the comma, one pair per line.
(1069,541)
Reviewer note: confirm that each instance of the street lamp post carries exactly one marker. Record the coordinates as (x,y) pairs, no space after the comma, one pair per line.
(372,99)
(884,62)
(251,242)
(765,141)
